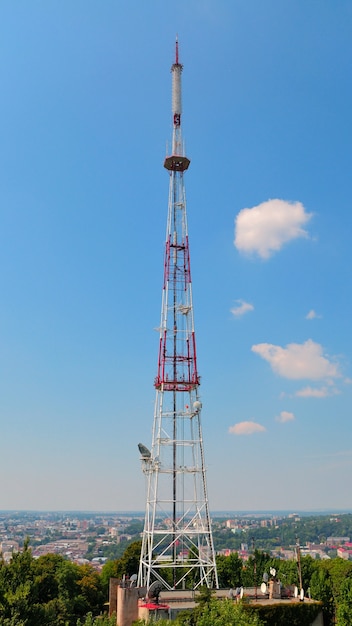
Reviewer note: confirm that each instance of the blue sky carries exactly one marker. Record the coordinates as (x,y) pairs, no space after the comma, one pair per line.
(85,119)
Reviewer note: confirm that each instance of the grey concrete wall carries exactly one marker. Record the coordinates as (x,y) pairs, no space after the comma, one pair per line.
(318,620)
(113,582)
(127,605)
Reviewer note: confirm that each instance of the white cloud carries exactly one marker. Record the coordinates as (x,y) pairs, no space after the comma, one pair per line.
(265,228)
(242,308)
(322,392)
(312,315)
(298,361)
(246,428)
(285,416)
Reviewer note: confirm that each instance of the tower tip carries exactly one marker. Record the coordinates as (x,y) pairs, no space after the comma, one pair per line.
(176,57)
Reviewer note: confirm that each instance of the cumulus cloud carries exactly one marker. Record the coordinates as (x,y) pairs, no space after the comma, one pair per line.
(241,308)
(246,428)
(298,361)
(265,228)
(285,416)
(321,392)
(312,315)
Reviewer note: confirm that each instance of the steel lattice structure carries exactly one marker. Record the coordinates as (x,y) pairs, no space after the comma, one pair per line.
(177,544)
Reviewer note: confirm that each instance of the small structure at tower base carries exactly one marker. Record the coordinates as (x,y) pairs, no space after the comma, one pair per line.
(131,603)
(123,601)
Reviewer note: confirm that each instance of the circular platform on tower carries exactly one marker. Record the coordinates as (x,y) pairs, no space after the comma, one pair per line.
(176,163)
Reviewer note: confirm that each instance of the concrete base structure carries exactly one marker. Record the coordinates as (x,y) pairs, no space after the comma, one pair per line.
(124,602)
(129,603)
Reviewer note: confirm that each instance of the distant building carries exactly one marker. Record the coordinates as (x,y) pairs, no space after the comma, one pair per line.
(344,553)
(337,541)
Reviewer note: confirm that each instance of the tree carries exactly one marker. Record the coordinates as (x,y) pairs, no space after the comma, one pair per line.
(308,566)
(16,584)
(339,570)
(49,591)
(287,571)
(321,589)
(129,562)
(127,565)
(344,607)
(229,570)
(111,569)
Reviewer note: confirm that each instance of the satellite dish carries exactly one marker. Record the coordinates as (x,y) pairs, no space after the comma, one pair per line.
(301,595)
(241,593)
(144,452)
(273,571)
(184,309)
(154,590)
(265,577)
(296,592)
(197,405)
(230,594)
(263,588)
(133,580)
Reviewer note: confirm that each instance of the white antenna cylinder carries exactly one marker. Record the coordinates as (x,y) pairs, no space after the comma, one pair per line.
(176,89)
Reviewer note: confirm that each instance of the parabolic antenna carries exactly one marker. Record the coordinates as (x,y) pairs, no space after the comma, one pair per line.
(133,580)
(154,590)
(301,595)
(263,588)
(241,593)
(296,592)
(273,571)
(145,453)
(265,577)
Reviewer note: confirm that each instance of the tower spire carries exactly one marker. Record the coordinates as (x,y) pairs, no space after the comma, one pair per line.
(176,46)
(177,161)
(177,544)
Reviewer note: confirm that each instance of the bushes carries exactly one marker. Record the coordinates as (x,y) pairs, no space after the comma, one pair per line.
(294,614)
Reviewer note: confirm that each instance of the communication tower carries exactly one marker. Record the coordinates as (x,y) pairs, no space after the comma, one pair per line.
(177,544)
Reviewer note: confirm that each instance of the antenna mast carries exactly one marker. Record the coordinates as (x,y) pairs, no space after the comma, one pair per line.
(177,543)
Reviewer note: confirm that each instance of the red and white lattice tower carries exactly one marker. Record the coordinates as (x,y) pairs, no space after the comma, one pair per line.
(177,544)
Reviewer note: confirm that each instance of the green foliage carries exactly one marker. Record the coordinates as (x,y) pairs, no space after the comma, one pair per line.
(308,566)
(49,591)
(294,614)
(221,612)
(129,562)
(110,570)
(204,597)
(127,565)
(321,589)
(344,609)
(229,570)
(98,621)
(254,568)
(314,529)
(339,569)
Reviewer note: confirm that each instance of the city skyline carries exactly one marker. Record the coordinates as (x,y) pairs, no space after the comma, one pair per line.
(85,123)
